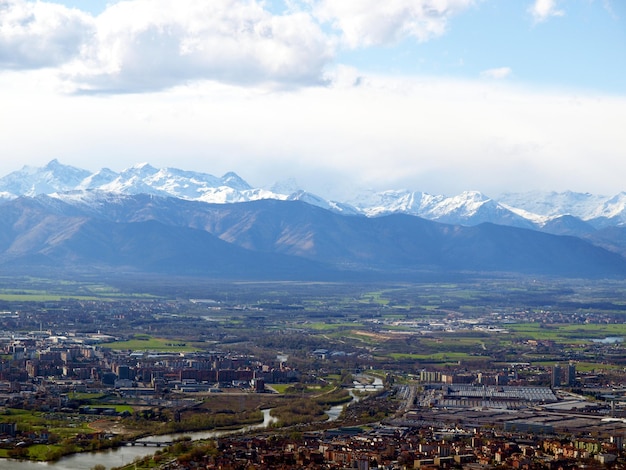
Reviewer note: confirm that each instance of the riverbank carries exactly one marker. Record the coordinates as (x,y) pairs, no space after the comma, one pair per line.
(233,414)
(123,454)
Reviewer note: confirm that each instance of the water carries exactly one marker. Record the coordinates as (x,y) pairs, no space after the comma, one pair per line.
(335,411)
(109,458)
(375,385)
(199,435)
(123,455)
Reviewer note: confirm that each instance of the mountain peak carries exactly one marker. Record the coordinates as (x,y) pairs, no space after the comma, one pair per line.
(31,181)
(234,181)
(529,210)
(141,166)
(53,164)
(476,195)
(288,186)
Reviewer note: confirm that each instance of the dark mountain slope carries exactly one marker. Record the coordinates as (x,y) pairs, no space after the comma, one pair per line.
(609,238)
(42,243)
(490,247)
(568,225)
(406,242)
(275,239)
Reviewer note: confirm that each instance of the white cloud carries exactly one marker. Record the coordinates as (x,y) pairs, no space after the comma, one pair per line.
(40,34)
(374,22)
(541,10)
(149,45)
(154,44)
(145,45)
(497,73)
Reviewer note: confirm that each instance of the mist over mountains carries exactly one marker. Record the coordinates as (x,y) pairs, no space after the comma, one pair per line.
(58,218)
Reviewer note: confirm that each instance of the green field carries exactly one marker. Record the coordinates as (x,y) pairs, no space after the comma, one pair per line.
(280,388)
(329,326)
(149,343)
(29,289)
(568,333)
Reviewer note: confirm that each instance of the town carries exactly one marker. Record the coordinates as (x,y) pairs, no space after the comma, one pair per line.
(320,379)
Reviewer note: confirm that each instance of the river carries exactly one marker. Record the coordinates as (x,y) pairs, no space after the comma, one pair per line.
(109,458)
(124,455)
(335,411)
(198,435)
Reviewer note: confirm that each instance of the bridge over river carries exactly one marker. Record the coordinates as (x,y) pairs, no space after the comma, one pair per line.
(143,443)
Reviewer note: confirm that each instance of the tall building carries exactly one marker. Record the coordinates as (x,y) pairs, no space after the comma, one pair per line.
(570,374)
(556,375)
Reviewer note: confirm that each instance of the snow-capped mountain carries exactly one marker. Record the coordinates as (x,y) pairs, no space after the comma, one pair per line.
(528,210)
(138,179)
(31,181)
(145,179)
(171,221)
(318,201)
(553,204)
(612,211)
(467,208)
(375,203)
(542,207)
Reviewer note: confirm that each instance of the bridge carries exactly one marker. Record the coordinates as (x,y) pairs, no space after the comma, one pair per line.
(148,443)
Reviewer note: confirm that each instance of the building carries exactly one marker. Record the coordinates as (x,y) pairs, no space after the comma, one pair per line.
(556,376)
(570,374)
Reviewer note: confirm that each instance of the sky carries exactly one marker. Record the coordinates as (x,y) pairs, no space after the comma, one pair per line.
(439,96)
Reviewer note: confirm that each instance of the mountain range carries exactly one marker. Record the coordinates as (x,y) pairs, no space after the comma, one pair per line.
(59,218)
(529,210)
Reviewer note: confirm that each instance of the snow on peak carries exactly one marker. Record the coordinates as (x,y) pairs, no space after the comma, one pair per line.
(467,203)
(233,180)
(612,208)
(141,166)
(376,203)
(53,177)
(534,209)
(98,179)
(53,164)
(288,186)
(551,203)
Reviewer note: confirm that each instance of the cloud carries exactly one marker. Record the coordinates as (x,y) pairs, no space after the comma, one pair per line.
(150,45)
(147,45)
(497,73)
(363,23)
(39,34)
(541,10)
(155,44)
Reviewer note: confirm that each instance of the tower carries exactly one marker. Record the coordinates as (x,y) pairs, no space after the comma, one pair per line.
(570,374)
(556,375)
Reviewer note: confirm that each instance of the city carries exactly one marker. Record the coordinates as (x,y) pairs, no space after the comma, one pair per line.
(321,379)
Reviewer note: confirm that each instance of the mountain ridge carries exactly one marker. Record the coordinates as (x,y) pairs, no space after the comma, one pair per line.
(527,210)
(193,200)
(272,239)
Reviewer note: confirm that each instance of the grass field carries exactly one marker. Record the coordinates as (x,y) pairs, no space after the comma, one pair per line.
(280,388)
(150,343)
(570,333)
(439,357)
(28,289)
(321,326)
